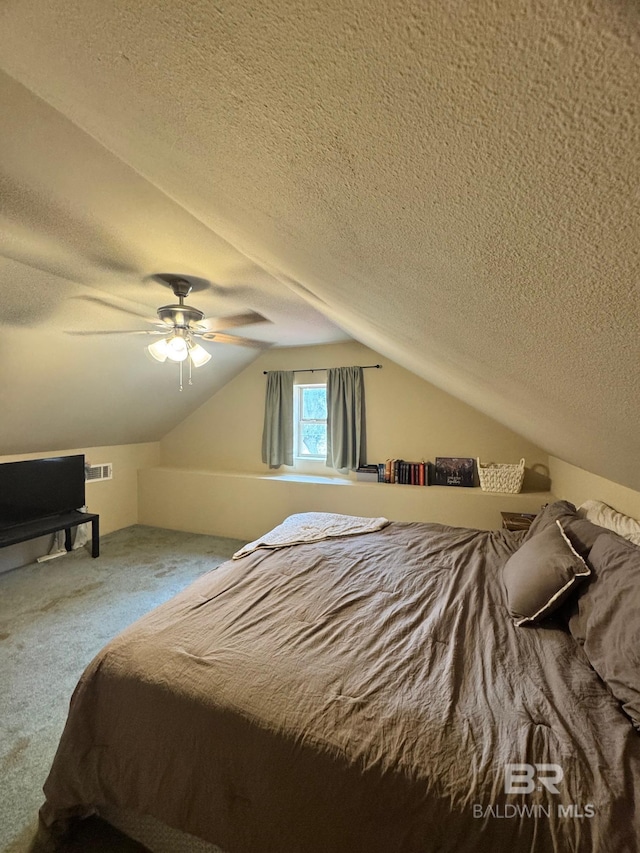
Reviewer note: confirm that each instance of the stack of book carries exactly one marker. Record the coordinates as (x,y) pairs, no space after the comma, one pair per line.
(403,472)
(367,473)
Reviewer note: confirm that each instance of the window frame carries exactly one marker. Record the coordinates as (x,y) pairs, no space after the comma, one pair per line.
(298,419)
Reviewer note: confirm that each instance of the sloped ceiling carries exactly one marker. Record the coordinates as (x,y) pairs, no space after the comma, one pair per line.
(453,184)
(82,232)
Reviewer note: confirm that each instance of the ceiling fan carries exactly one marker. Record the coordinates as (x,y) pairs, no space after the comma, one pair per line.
(179,326)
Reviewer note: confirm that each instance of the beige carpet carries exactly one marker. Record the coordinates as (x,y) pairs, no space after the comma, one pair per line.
(54,617)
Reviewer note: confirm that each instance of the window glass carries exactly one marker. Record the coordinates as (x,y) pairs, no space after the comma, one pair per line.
(310,427)
(314,402)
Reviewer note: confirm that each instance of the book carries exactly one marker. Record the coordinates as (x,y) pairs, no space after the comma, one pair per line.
(403,473)
(367,473)
(454,471)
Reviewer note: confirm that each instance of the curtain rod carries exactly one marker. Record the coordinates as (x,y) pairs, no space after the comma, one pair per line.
(317,369)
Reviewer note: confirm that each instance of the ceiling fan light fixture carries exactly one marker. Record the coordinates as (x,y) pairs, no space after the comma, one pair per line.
(179,324)
(158,350)
(198,355)
(177,349)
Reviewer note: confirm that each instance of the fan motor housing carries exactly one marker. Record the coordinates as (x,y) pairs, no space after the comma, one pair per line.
(180,315)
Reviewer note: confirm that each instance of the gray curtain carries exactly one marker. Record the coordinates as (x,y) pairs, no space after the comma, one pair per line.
(346,442)
(277,435)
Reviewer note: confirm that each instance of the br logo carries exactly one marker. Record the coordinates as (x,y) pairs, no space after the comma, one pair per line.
(525,778)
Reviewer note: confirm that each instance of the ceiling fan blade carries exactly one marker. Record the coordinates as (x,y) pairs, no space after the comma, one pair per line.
(219,338)
(119,332)
(215,324)
(105,303)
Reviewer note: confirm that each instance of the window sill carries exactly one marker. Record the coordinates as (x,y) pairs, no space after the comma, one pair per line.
(308,478)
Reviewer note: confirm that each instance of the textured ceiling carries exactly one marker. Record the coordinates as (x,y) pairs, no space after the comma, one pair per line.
(453,184)
(79,228)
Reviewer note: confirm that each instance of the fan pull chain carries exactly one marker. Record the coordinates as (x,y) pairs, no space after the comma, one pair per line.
(180,363)
(190,382)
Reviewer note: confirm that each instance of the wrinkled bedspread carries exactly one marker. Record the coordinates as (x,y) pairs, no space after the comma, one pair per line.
(363,694)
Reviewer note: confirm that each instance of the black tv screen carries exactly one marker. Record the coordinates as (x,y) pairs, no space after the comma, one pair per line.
(37,488)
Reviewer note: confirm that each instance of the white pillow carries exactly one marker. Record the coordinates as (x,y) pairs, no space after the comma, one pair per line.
(606,516)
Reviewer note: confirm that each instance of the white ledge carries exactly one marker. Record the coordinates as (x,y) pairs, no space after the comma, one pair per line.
(306,478)
(337,480)
(245,504)
(329,479)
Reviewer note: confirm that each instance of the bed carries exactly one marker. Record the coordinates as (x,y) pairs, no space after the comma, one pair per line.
(374,693)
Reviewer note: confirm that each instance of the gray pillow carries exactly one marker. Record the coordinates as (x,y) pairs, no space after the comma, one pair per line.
(541,574)
(607,619)
(580,532)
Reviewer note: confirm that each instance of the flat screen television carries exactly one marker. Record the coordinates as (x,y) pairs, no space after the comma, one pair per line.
(37,488)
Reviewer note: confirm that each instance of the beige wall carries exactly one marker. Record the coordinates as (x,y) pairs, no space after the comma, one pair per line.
(115,500)
(206,460)
(406,418)
(575,485)
(186,482)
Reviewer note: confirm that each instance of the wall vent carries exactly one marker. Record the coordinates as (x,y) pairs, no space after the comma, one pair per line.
(93,473)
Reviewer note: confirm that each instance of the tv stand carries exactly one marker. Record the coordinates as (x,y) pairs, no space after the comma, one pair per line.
(53,524)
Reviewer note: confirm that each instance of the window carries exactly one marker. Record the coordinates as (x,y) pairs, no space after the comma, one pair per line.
(310,421)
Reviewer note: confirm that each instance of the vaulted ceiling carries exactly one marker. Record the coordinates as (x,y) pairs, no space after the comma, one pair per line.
(453,184)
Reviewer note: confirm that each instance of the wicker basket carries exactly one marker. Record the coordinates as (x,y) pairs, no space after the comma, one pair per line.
(498,477)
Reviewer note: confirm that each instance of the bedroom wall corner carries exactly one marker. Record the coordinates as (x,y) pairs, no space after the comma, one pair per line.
(407,417)
(577,485)
(211,463)
(115,500)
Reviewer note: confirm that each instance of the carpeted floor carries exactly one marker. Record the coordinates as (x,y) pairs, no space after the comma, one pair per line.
(54,617)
